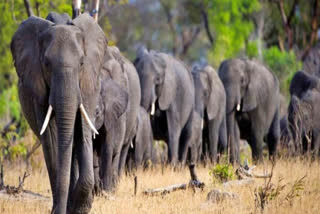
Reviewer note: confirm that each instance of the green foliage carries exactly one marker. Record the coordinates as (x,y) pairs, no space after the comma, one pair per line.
(252,49)
(9,103)
(283,64)
(222,172)
(231,25)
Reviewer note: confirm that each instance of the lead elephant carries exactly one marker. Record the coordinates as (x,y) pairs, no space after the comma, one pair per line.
(59,67)
(252,109)
(210,105)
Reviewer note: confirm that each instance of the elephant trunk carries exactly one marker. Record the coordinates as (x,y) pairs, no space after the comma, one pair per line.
(233,99)
(65,100)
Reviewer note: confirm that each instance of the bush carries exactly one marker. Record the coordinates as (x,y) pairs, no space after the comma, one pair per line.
(283,64)
(222,172)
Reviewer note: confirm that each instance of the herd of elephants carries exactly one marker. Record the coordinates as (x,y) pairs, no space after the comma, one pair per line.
(96,113)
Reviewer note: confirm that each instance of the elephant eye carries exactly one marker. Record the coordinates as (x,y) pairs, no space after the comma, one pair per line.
(81,61)
(46,62)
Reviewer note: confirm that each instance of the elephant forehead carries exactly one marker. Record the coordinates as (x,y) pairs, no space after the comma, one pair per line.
(114,70)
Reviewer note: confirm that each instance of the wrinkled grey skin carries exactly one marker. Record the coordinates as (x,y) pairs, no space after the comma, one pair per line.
(118,130)
(210,107)
(252,106)
(302,115)
(285,133)
(305,122)
(141,152)
(60,65)
(166,82)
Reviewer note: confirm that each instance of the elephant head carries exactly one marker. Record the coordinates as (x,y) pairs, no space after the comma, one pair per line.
(156,79)
(302,82)
(59,66)
(242,80)
(207,91)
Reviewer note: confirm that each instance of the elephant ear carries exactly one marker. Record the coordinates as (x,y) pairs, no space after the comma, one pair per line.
(94,50)
(26,55)
(256,85)
(168,88)
(115,102)
(212,105)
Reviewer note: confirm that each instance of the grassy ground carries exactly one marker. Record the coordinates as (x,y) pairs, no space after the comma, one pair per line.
(183,201)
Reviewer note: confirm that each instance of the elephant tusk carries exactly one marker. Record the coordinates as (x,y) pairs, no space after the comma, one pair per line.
(238,107)
(153,108)
(94,135)
(86,117)
(201,124)
(131,145)
(46,120)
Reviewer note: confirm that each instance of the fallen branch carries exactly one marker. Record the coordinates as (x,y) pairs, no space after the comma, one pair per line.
(165,190)
(217,195)
(242,173)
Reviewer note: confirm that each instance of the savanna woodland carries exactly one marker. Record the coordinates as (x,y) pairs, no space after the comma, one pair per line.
(159,106)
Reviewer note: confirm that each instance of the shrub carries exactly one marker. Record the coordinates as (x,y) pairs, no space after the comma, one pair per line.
(283,64)
(222,172)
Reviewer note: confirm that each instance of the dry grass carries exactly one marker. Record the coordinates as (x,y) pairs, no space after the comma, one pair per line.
(182,201)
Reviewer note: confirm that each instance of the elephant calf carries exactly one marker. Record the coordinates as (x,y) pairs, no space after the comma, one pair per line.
(141,152)
(210,110)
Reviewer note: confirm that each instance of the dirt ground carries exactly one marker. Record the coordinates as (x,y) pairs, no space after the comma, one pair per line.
(286,172)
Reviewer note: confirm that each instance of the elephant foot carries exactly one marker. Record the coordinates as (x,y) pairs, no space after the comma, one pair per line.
(107,195)
(97,189)
(196,184)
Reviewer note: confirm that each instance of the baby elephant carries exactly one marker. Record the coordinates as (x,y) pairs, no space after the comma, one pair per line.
(140,152)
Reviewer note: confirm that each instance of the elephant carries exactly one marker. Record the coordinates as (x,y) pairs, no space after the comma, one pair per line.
(59,68)
(167,93)
(302,118)
(118,130)
(140,153)
(253,102)
(302,82)
(210,105)
(305,122)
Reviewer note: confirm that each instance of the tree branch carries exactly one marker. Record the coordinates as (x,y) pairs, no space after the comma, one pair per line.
(28,8)
(187,41)
(314,27)
(206,24)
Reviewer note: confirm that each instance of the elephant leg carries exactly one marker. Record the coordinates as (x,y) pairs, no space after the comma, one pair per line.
(74,176)
(213,140)
(234,138)
(96,165)
(237,142)
(274,136)
(223,138)
(49,147)
(106,172)
(82,196)
(123,157)
(185,141)
(256,143)
(174,132)
(316,144)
